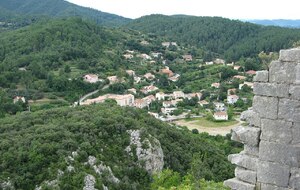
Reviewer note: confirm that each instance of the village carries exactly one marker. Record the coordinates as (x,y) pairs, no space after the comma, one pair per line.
(171,105)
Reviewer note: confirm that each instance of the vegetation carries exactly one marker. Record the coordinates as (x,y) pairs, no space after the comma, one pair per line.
(207,123)
(34,146)
(230,39)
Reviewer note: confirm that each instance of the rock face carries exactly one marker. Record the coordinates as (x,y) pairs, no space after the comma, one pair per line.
(149,152)
(271,156)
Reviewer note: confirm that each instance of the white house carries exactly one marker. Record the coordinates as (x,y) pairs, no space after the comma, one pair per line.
(178,94)
(221,116)
(160,96)
(91,78)
(167,111)
(19,98)
(219,106)
(231,99)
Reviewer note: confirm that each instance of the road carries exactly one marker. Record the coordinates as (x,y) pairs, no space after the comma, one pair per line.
(90,94)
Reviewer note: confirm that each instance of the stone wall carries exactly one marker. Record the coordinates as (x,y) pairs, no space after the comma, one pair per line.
(271,156)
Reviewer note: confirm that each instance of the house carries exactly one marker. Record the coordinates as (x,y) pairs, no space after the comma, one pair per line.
(91,78)
(231,91)
(140,103)
(239,77)
(137,79)
(167,111)
(203,103)
(209,63)
(149,99)
(128,56)
(219,106)
(160,96)
(178,94)
(122,100)
(251,72)
(167,104)
(149,76)
(215,85)
(156,54)
(167,72)
(221,116)
(148,89)
(129,51)
(250,84)
(22,69)
(230,64)
(219,61)
(236,67)
(167,44)
(132,90)
(174,78)
(193,95)
(19,98)
(187,57)
(113,79)
(145,56)
(231,99)
(144,42)
(130,72)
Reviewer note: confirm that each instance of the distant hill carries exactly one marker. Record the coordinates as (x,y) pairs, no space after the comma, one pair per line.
(277,22)
(57,8)
(229,38)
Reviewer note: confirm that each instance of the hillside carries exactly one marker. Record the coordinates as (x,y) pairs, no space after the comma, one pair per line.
(230,39)
(278,22)
(61,148)
(57,8)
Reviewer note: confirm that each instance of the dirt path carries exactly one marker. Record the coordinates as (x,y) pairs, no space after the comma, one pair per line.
(210,130)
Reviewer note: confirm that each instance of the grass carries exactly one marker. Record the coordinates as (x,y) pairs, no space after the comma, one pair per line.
(205,123)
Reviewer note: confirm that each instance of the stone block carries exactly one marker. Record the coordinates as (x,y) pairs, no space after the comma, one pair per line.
(289,110)
(282,72)
(295,178)
(279,153)
(261,76)
(245,175)
(264,186)
(294,91)
(251,117)
(246,135)
(297,74)
(296,133)
(273,173)
(238,185)
(271,89)
(265,107)
(244,161)
(276,131)
(289,55)
(250,150)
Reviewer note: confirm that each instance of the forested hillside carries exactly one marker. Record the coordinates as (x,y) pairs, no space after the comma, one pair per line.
(56,8)
(231,39)
(60,144)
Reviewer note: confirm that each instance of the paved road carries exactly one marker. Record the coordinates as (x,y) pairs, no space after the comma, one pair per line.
(90,94)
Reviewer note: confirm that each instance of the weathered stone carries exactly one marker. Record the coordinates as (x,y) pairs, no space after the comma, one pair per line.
(289,110)
(89,182)
(251,117)
(271,89)
(261,76)
(246,135)
(250,150)
(295,178)
(297,74)
(266,107)
(296,133)
(244,161)
(295,92)
(245,175)
(289,55)
(238,185)
(280,153)
(282,72)
(273,173)
(276,131)
(264,186)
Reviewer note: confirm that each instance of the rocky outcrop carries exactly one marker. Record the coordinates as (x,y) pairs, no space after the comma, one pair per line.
(7,185)
(271,156)
(149,152)
(89,182)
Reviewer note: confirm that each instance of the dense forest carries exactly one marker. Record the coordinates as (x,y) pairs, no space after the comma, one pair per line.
(56,8)
(35,146)
(230,39)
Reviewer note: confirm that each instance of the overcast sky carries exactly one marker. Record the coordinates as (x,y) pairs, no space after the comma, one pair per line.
(234,9)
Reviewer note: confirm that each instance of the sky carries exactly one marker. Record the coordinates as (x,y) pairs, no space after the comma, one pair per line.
(233,9)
